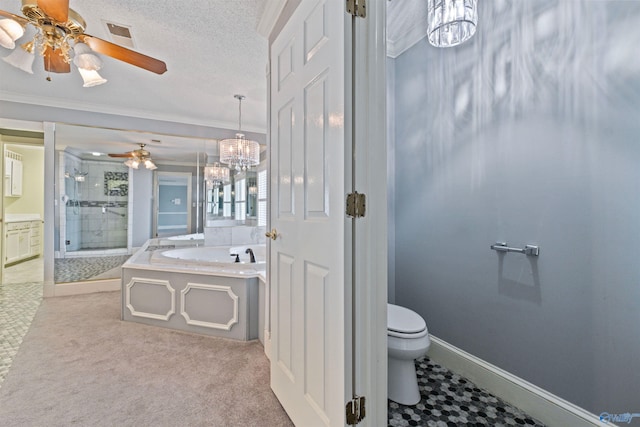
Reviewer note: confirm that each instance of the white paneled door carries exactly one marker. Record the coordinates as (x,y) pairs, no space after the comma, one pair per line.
(307,258)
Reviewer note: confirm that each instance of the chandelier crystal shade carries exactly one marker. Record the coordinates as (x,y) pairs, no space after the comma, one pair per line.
(451,22)
(216,174)
(239,153)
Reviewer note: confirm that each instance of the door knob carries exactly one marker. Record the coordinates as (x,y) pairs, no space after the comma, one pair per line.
(273,234)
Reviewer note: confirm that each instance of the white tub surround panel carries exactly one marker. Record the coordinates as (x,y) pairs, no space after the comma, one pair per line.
(217,236)
(209,299)
(236,235)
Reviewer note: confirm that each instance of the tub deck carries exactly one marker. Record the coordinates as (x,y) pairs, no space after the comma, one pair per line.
(218,300)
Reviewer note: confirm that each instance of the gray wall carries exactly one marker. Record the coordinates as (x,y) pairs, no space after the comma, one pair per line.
(530,134)
(142,188)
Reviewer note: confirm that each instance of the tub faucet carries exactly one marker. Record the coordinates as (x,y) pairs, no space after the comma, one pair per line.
(251,255)
(237,257)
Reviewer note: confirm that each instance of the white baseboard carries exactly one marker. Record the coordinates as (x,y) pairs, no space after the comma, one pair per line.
(78,288)
(534,401)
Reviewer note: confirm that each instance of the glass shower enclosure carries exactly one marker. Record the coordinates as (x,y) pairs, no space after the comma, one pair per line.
(94,206)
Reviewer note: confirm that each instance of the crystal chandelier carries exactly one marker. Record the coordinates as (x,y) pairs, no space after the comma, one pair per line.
(215,174)
(239,153)
(252,188)
(451,22)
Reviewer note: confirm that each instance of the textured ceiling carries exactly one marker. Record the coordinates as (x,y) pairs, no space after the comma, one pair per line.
(211,48)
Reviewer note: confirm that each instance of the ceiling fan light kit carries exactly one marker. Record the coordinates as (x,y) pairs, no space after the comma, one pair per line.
(91,78)
(85,59)
(10,31)
(22,57)
(137,157)
(60,39)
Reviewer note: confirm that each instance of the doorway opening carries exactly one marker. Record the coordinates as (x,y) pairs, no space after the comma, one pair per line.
(172,204)
(22,206)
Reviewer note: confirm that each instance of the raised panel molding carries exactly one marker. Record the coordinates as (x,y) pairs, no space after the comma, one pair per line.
(315,326)
(286,199)
(316,194)
(285,64)
(315,31)
(162,283)
(212,288)
(284,313)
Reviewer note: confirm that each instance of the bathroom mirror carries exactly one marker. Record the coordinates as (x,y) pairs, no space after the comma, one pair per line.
(97,194)
(237,200)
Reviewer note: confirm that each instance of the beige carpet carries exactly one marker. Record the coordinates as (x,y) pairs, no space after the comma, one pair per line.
(80,365)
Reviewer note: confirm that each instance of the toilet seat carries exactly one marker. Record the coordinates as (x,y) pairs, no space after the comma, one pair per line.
(404,323)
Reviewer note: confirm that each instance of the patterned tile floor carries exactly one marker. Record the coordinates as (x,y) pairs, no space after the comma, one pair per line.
(449,400)
(86,268)
(21,294)
(24,272)
(18,305)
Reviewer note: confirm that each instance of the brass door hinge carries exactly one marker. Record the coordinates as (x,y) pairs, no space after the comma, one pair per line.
(356,205)
(357,8)
(356,410)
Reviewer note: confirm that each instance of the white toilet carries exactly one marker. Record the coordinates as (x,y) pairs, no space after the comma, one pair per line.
(407,340)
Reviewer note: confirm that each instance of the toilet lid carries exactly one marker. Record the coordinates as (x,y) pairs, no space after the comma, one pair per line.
(401,319)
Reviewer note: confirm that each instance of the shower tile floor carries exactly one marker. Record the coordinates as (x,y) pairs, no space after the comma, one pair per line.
(88,268)
(449,400)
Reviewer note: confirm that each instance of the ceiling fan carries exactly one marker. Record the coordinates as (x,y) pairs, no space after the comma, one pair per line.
(137,157)
(60,39)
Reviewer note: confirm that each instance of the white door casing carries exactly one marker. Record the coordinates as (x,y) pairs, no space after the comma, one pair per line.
(177,219)
(307,259)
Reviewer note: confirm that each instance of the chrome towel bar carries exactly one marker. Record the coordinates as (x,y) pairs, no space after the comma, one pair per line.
(528,250)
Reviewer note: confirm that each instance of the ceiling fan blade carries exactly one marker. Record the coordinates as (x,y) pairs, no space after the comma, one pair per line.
(54,62)
(124,54)
(120,155)
(16,18)
(56,9)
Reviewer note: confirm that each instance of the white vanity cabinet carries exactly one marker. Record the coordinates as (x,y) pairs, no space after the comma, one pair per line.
(22,240)
(35,239)
(12,174)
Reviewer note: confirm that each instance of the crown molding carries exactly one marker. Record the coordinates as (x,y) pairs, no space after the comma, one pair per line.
(270,16)
(412,36)
(119,111)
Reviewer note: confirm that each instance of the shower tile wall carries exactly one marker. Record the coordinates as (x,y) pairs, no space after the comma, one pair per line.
(95,220)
